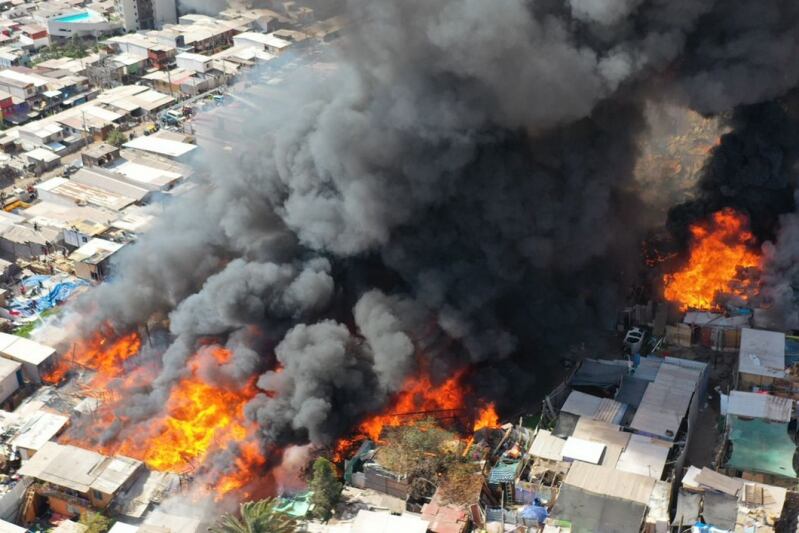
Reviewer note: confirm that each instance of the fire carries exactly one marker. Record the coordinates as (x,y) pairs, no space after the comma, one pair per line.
(486,418)
(420,398)
(720,249)
(199,419)
(95,353)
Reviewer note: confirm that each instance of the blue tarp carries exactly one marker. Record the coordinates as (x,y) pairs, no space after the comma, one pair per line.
(57,294)
(535,512)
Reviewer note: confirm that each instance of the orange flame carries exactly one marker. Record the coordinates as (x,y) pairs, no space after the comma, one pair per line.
(486,418)
(420,398)
(96,354)
(198,421)
(720,249)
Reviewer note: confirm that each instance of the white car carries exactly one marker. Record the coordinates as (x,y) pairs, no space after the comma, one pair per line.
(634,340)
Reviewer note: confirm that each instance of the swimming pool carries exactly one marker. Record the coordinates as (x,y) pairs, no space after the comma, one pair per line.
(75,17)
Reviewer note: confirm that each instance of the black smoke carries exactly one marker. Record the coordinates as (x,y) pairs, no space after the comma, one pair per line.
(453,186)
(752,170)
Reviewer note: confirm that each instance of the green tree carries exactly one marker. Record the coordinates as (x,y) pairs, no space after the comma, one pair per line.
(116,138)
(95,522)
(75,49)
(256,517)
(326,488)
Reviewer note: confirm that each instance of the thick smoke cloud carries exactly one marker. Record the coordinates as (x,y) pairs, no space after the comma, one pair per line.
(752,170)
(780,278)
(458,190)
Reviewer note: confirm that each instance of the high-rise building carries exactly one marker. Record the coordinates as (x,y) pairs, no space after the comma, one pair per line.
(147,14)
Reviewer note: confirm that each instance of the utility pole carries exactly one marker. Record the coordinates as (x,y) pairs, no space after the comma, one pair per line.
(85,131)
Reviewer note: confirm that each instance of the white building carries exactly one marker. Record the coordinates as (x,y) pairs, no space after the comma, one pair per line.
(10,378)
(193,62)
(81,23)
(147,14)
(263,41)
(36,359)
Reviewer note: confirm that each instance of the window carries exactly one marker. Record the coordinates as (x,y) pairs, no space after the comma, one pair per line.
(97,494)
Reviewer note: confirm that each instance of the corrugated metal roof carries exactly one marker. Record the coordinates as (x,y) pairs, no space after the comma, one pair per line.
(609,482)
(583,450)
(653,420)
(762,353)
(503,472)
(594,407)
(753,405)
(632,390)
(711,479)
(611,435)
(644,456)
(547,446)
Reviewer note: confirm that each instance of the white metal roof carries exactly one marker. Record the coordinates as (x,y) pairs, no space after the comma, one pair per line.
(604,409)
(547,446)
(644,456)
(8,367)
(42,154)
(165,147)
(79,469)
(8,527)
(583,450)
(116,472)
(193,57)
(654,416)
(122,527)
(610,435)
(24,350)
(372,521)
(710,479)
(609,482)
(762,353)
(38,430)
(63,465)
(93,247)
(754,405)
(704,318)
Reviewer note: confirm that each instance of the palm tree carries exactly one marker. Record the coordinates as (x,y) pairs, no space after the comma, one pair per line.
(256,517)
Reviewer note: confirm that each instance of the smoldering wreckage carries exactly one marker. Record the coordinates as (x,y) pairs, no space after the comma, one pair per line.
(453,197)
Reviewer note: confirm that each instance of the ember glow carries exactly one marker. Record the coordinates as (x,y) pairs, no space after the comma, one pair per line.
(199,420)
(96,353)
(721,249)
(486,418)
(421,398)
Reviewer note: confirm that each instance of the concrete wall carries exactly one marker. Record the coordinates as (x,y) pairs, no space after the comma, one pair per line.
(66,30)
(9,386)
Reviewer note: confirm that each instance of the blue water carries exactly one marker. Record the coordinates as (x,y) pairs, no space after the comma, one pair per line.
(77,17)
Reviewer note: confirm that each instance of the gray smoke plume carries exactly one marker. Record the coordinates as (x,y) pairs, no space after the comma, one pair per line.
(454,187)
(779,289)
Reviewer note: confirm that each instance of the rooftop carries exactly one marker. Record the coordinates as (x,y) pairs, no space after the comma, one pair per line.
(78,469)
(762,353)
(758,405)
(79,192)
(761,446)
(164,147)
(24,350)
(95,250)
